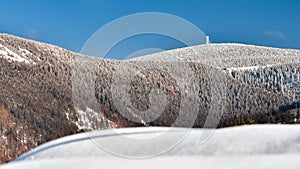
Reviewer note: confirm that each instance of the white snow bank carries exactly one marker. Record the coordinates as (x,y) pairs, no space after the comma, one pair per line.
(190,162)
(260,146)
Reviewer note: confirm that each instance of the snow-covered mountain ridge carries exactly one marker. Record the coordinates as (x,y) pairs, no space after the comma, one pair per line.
(37,101)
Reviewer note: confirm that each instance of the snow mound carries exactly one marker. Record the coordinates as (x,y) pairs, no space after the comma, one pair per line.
(259,146)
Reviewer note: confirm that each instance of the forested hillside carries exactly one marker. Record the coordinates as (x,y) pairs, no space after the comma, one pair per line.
(37,90)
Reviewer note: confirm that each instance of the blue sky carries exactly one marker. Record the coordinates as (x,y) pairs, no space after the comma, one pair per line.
(69,23)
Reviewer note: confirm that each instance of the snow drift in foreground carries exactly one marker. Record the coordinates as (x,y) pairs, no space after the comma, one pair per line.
(260,146)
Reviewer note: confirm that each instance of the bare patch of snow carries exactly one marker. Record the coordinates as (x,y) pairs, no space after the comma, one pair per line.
(87,118)
(92,120)
(252,68)
(12,56)
(67,115)
(25,52)
(84,121)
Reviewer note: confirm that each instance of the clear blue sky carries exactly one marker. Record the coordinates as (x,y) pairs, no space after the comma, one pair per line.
(69,23)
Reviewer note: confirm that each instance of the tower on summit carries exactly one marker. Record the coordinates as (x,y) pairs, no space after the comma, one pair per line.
(207,40)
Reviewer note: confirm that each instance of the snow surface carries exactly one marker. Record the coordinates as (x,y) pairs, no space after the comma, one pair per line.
(12,56)
(258,146)
(184,162)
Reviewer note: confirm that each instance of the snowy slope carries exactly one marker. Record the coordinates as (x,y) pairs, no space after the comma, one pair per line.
(12,56)
(227,55)
(261,146)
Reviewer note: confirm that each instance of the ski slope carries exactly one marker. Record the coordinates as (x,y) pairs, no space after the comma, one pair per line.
(259,146)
